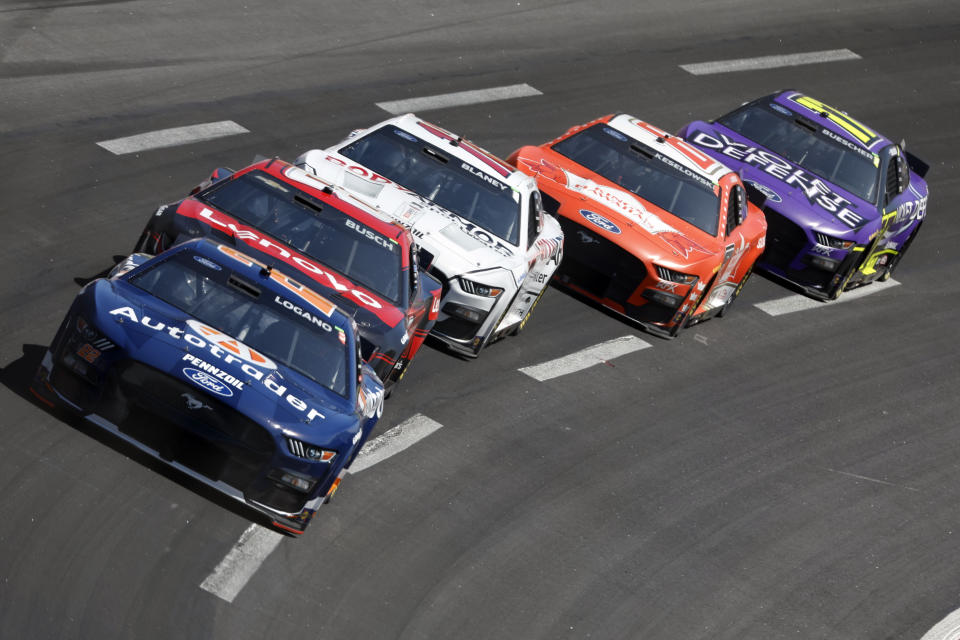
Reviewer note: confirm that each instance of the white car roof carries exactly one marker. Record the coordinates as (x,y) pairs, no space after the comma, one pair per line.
(462,149)
(670,146)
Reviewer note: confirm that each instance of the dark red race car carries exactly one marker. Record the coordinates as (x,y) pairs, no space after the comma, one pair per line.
(289,220)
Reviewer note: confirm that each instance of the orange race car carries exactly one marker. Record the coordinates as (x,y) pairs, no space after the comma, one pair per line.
(655,230)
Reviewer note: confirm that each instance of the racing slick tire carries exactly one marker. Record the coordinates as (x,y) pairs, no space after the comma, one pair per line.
(736,293)
(903,250)
(520,326)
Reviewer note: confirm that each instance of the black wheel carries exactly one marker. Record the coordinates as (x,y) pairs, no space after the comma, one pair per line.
(896,261)
(736,293)
(516,330)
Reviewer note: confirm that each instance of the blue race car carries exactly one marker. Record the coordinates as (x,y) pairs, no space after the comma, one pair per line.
(226,369)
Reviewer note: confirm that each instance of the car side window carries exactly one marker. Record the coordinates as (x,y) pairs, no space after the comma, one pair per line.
(534,218)
(736,208)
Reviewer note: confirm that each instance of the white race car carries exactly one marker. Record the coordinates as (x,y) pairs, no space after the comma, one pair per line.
(478,221)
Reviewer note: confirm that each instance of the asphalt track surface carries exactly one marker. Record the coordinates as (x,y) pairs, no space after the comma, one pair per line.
(758,477)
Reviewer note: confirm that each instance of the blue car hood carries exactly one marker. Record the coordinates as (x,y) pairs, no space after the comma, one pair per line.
(161,336)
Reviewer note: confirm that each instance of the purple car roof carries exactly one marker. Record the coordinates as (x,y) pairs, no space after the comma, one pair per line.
(832,119)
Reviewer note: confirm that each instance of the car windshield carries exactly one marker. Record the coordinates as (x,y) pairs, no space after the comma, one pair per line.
(214,295)
(811,147)
(454,185)
(315,228)
(649,174)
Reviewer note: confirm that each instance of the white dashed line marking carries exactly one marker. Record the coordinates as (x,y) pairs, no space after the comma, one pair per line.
(236,569)
(172,137)
(394,441)
(459,99)
(585,358)
(797,302)
(257,543)
(769,62)
(946,629)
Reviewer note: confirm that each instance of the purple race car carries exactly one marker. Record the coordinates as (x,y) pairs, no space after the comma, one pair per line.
(843,203)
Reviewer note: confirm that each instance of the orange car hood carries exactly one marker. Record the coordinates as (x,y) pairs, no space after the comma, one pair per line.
(661,235)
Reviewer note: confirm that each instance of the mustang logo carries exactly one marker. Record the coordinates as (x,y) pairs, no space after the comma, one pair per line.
(586,238)
(193,403)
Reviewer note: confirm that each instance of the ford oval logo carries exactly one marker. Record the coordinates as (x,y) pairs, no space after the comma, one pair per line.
(770,194)
(208,382)
(599,221)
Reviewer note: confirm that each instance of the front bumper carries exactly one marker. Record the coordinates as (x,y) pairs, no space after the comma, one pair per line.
(466,322)
(611,276)
(792,256)
(230,453)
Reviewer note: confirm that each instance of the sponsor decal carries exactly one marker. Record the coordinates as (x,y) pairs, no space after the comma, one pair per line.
(666,286)
(483,176)
(769,193)
(781,109)
(615,134)
(403,134)
(208,382)
(911,210)
(630,208)
(213,371)
(303,313)
(598,220)
(817,192)
(219,346)
(317,273)
(858,130)
(822,250)
(548,248)
(849,145)
(210,264)
(367,233)
(230,344)
(88,352)
(684,170)
(422,205)
(721,295)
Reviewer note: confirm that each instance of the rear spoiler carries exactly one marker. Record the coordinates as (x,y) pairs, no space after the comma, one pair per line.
(916,165)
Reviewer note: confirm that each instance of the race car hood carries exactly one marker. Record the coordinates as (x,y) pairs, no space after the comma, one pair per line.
(458,245)
(808,200)
(164,338)
(622,217)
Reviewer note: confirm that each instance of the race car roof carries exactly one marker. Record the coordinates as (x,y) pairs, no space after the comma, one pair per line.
(303,180)
(833,119)
(462,149)
(671,146)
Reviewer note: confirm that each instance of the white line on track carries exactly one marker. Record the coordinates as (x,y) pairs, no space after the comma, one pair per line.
(394,441)
(797,302)
(769,62)
(459,99)
(243,560)
(172,137)
(585,358)
(256,543)
(946,629)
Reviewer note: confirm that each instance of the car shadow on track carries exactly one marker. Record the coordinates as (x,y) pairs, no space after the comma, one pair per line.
(18,376)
